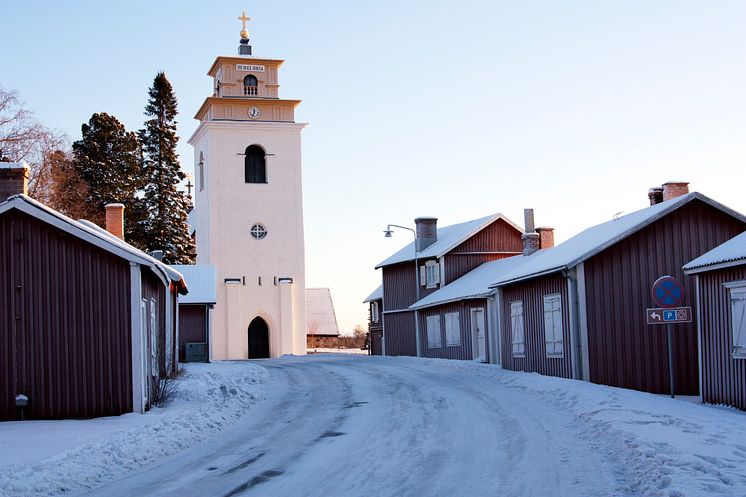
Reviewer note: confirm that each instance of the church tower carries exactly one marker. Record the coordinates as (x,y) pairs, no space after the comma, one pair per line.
(248,216)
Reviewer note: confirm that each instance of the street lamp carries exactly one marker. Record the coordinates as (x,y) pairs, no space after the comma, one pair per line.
(388,233)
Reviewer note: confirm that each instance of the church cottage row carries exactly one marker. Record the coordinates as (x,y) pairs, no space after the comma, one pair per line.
(493,292)
(88,323)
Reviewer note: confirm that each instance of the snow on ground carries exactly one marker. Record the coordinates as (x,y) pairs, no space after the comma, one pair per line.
(342,424)
(667,447)
(43,458)
(324,350)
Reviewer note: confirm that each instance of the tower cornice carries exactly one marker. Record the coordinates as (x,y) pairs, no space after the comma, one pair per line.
(240,59)
(244,102)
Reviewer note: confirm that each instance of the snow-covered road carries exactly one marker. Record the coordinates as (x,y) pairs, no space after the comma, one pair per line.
(337,425)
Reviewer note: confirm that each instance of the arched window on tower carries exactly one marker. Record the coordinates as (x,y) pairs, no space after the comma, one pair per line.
(250,85)
(255,165)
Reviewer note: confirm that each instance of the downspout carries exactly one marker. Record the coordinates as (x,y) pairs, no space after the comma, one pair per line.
(417,293)
(577,352)
(492,331)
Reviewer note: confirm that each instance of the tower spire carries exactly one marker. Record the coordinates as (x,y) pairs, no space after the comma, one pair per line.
(244,48)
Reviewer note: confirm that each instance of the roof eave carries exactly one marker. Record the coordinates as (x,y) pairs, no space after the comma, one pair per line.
(715,266)
(538,274)
(482,295)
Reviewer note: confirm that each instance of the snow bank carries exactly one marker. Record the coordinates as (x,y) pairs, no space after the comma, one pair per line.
(45,458)
(665,447)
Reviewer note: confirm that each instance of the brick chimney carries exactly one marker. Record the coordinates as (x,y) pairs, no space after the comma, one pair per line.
(13,179)
(655,195)
(115,220)
(530,238)
(674,189)
(427,232)
(546,237)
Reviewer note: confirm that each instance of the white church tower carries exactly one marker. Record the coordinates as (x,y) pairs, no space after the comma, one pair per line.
(248,215)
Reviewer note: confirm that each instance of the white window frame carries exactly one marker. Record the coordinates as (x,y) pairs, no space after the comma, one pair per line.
(154,367)
(737,305)
(432,274)
(517,329)
(144,350)
(432,324)
(453,329)
(374,312)
(553,329)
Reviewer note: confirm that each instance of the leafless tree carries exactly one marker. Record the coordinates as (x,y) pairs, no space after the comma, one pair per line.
(23,137)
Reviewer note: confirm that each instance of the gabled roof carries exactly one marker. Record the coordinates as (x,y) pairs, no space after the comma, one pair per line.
(320,316)
(95,235)
(474,284)
(449,237)
(730,253)
(376,295)
(201,280)
(590,242)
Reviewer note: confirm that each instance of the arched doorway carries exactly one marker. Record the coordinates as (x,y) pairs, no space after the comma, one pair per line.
(258,339)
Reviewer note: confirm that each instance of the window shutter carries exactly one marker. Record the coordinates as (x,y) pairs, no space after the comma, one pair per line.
(738,317)
(433,332)
(436,273)
(453,329)
(553,325)
(516,328)
(423,275)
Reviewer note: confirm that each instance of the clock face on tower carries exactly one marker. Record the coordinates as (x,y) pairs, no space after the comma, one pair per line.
(254,112)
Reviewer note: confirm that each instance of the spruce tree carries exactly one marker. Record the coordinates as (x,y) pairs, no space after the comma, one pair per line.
(108,159)
(167,205)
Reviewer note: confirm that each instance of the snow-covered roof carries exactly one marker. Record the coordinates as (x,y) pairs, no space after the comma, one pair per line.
(93,234)
(474,284)
(730,253)
(376,295)
(200,278)
(14,165)
(449,237)
(590,242)
(320,316)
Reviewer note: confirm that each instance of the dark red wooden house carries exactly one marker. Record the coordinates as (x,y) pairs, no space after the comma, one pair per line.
(720,281)
(442,255)
(375,320)
(578,310)
(194,312)
(454,321)
(87,322)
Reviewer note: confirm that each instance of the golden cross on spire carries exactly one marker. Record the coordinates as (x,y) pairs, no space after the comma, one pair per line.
(243,19)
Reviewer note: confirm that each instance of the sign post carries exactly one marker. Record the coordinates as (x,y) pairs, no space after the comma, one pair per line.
(668,293)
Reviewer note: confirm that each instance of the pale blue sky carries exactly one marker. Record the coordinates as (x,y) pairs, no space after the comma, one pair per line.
(449,109)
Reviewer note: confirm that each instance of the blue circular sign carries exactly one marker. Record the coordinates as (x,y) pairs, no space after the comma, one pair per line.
(668,292)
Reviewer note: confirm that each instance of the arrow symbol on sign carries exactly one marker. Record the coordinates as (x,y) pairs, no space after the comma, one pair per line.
(656,316)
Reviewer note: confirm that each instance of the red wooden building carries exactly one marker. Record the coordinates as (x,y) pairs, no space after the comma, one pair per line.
(454,320)
(375,321)
(720,280)
(442,255)
(194,312)
(578,310)
(87,322)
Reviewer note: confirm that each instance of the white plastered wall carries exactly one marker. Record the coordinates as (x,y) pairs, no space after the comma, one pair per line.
(227,208)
